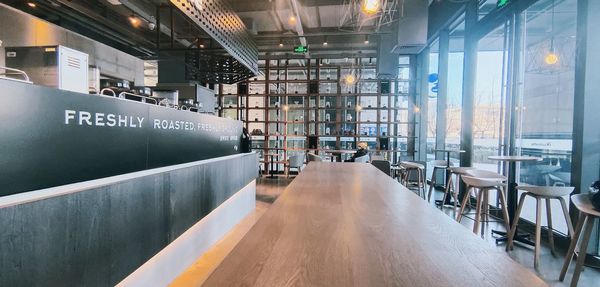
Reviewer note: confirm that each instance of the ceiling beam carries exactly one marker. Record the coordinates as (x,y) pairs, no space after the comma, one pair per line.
(299,28)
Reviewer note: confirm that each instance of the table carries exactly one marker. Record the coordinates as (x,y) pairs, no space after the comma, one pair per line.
(340,224)
(272,171)
(512,195)
(447,151)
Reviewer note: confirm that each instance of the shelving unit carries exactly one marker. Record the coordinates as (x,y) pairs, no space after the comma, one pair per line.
(295,100)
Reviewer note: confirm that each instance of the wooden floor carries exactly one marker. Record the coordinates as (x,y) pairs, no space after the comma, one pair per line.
(269,189)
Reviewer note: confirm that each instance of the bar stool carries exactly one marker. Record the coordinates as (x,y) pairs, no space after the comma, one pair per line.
(539,193)
(410,167)
(483,181)
(456,171)
(587,216)
(437,165)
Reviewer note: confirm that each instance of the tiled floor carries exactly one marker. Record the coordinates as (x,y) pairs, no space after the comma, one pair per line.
(269,189)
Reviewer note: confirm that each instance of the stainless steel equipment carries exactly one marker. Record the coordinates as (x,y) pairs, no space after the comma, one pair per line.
(53,66)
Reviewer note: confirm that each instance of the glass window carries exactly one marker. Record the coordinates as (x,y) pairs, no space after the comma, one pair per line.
(432,99)
(545,104)
(488,114)
(455,84)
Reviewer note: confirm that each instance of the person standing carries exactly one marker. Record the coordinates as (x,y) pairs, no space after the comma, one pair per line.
(246,142)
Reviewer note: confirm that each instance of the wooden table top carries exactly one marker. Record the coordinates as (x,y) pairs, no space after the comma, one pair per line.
(514,158)
(348,224)
(450,150)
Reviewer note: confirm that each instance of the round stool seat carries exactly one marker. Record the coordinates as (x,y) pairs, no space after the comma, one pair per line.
(440,163)
(408,164)
(485,174)
(547,191)
(481,182)
(584,204)
(460,169)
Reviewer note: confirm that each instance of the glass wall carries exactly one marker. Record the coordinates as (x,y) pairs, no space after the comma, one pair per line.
(545,101)
(432,99)
(488,114)
(455,87)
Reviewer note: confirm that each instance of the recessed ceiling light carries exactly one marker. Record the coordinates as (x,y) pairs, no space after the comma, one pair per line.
(31,4)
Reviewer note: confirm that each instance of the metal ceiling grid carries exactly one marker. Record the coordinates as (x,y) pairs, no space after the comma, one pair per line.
(218,20)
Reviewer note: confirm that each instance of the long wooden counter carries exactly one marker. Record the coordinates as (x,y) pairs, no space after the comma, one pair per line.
(348,224)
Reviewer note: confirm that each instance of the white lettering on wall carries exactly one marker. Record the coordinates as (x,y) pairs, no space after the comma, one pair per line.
(69,115)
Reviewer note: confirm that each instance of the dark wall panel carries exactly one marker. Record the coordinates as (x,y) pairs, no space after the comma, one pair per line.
(97,237)
(40,146)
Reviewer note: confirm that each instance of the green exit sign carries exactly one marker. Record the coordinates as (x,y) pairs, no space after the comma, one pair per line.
(301,49)
(502,3)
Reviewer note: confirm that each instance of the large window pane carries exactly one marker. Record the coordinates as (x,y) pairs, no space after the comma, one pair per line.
(545,105)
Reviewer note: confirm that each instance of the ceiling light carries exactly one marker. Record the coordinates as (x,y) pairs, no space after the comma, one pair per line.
(325,43)
(201,45)
(349,79)
(292,20)
(370,7)
(135,21)
(31,4)
(366,39)
(551,58)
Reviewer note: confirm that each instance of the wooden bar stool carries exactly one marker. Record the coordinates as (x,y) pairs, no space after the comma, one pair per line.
(587,216)
(451,185)
(410,167)
(482,182)
(437,165)
(540,193)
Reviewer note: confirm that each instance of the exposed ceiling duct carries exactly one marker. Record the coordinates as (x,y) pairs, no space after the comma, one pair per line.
(412,27)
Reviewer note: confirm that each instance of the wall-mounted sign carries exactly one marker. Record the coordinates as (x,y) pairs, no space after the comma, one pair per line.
(301,49)
(67,137)
(434,80)
(502,3)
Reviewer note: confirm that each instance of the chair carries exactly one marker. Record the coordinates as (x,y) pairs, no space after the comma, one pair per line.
(451,186)
(313,157)
(295,161)
(383,165)
(437,165)
(377,157)
(587,217)
(410,167)
(482,182)
(363,159)
(539,193)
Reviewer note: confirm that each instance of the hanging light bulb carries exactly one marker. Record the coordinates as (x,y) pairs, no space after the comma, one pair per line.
(350,79)
(370,7)
(551,58)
